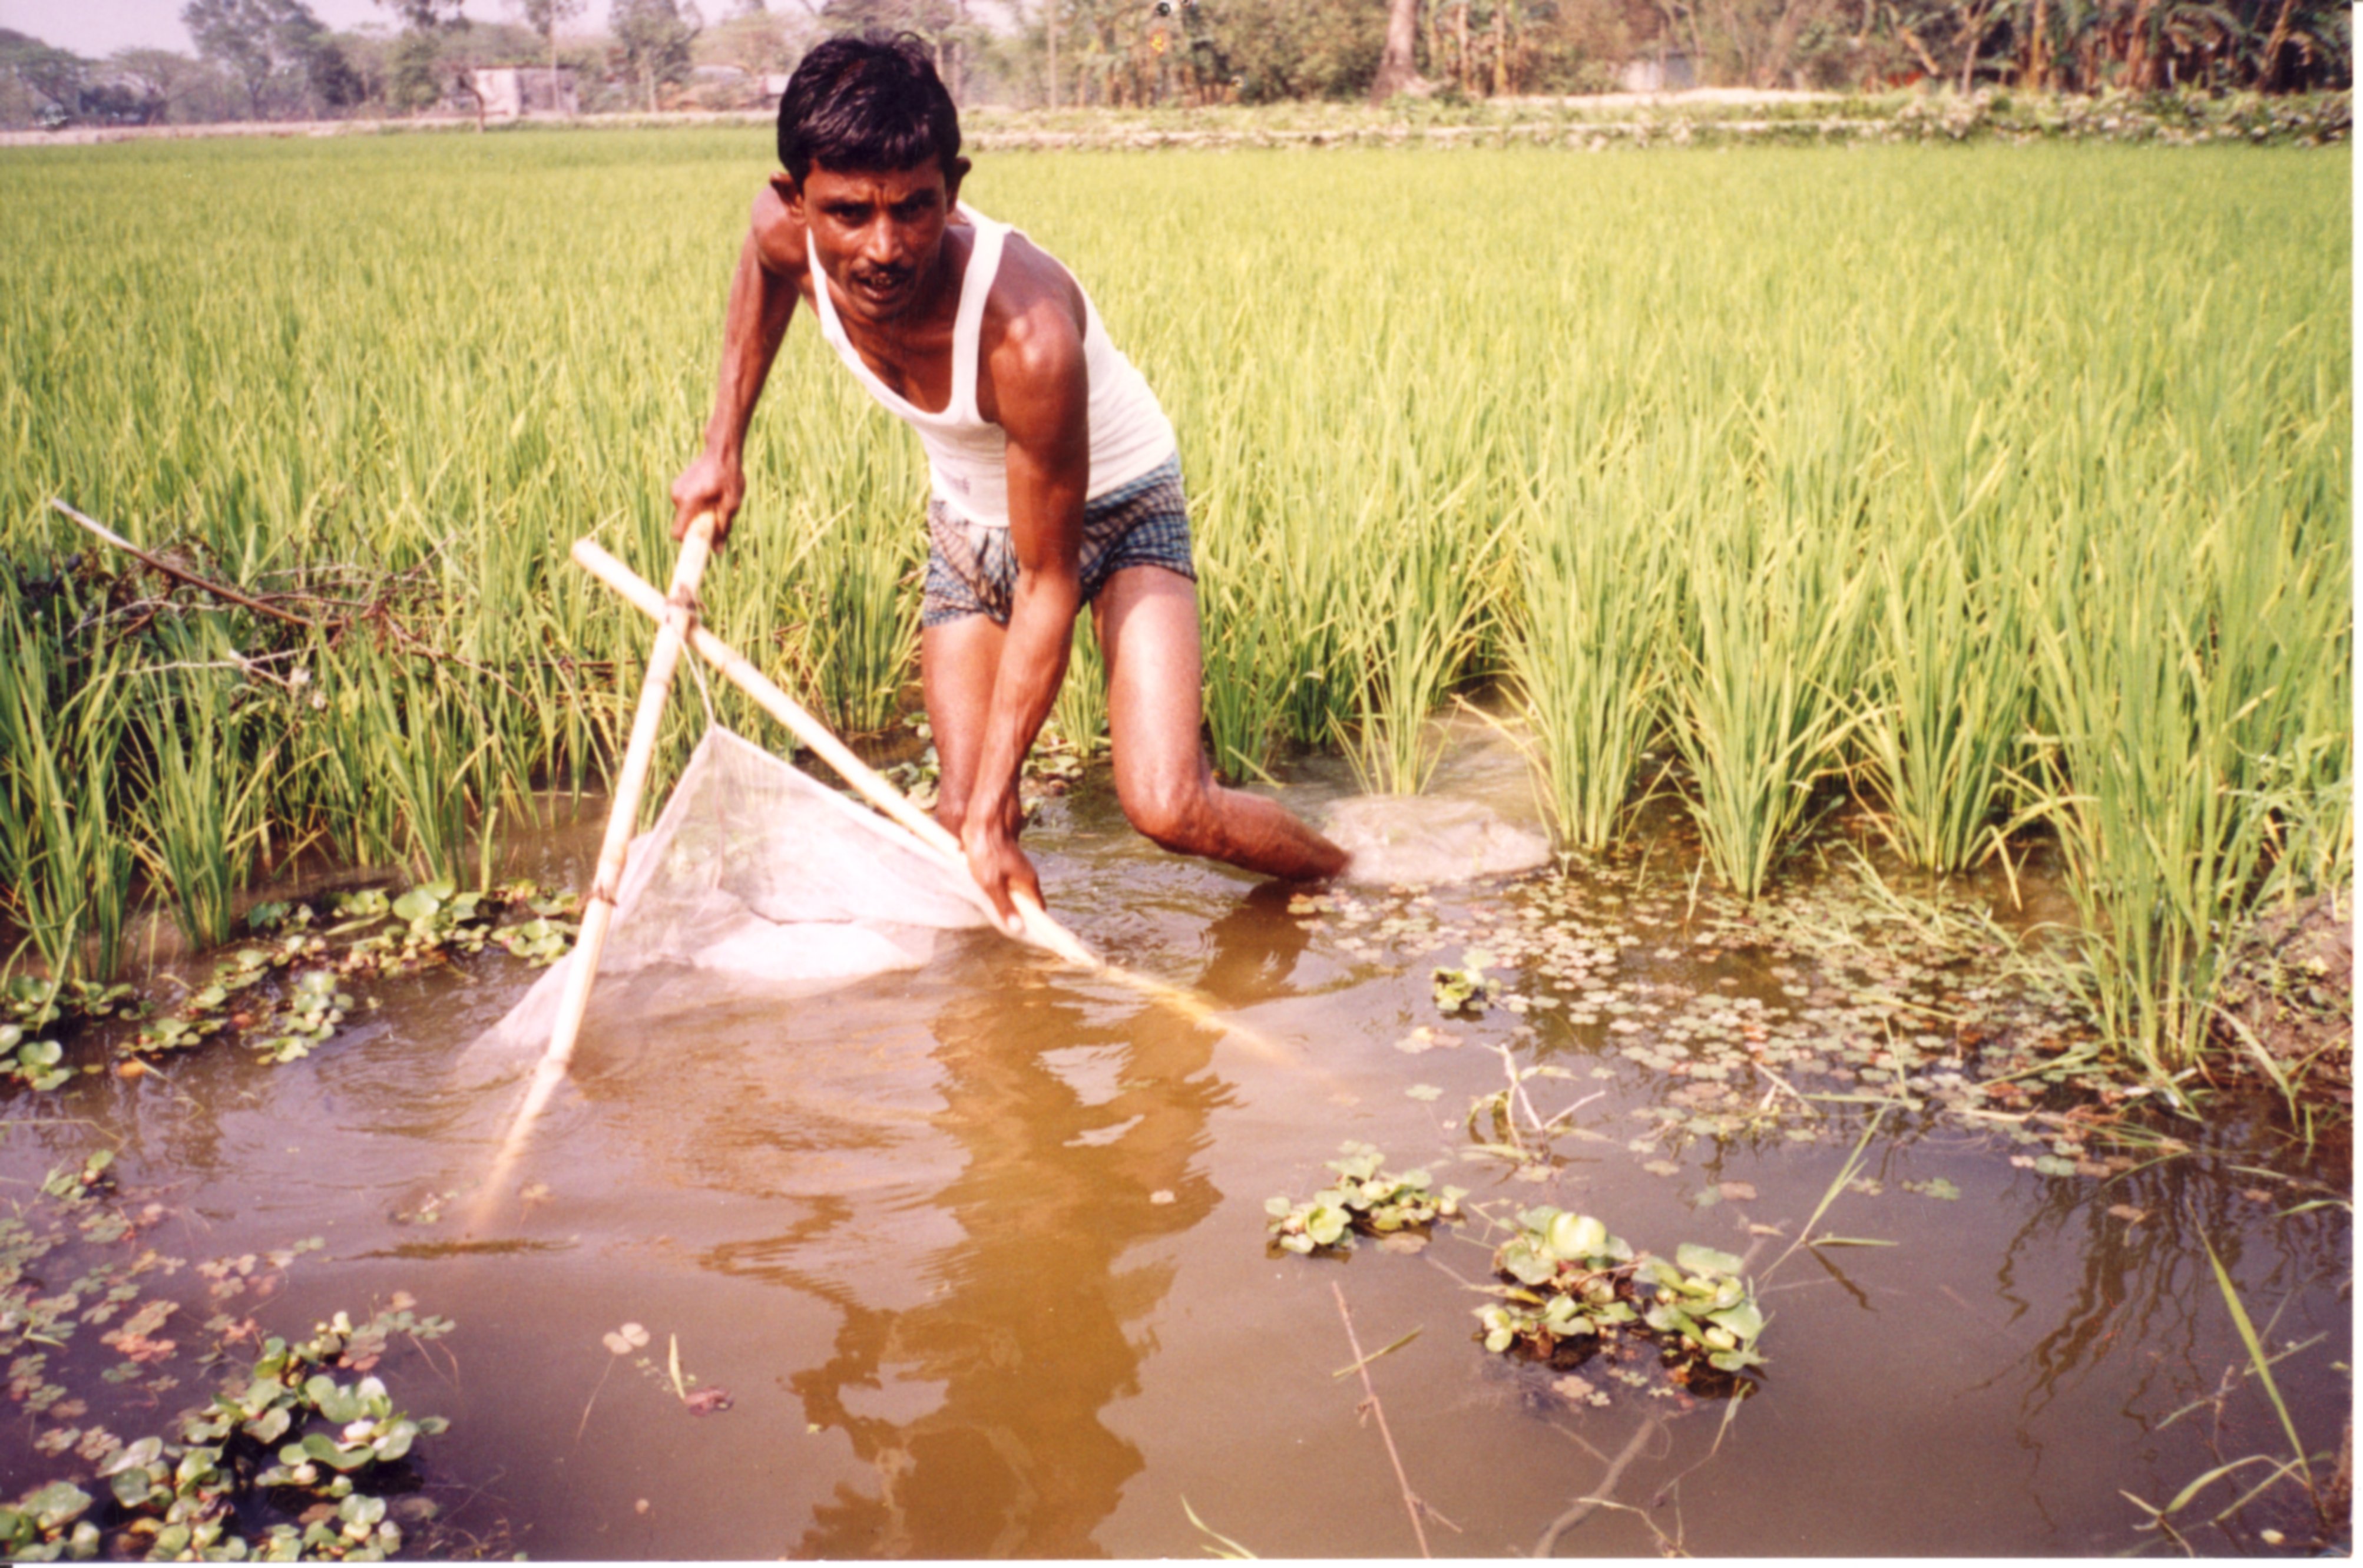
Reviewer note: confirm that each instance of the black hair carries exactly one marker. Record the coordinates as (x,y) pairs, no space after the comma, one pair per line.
(869,101)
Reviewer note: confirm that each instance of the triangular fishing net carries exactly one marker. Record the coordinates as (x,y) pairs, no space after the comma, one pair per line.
(756,881)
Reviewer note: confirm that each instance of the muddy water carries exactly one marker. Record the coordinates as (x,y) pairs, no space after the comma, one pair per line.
(977,1254)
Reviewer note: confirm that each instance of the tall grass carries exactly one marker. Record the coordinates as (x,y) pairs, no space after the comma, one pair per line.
(201,819)
(2009,485)
(1423,583)
(858,610)
(2176,679)
(65,854)
(1589,656)
(1081,709)
(1948,692)
(1759,691)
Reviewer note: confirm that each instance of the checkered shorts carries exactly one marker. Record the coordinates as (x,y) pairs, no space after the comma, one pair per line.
(972,571)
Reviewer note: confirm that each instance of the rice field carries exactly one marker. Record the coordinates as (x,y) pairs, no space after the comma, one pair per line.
(2007,489)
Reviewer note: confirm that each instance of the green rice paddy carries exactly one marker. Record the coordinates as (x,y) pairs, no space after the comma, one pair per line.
(2006,488)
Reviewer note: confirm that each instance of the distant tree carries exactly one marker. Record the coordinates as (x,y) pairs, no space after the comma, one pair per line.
(1398,59)
(414,73)
(753,39)
(417,75)
(427,16)
(235,36)
(157,73)
(543,16)
(192,91)
(1294,49)
(277,50)
(654,36)
(58,77)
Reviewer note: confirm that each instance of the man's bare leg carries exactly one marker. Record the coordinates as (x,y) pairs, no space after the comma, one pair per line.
(1147,621)
(959,662)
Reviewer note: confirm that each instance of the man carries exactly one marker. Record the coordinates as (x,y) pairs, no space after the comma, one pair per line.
(1055,477)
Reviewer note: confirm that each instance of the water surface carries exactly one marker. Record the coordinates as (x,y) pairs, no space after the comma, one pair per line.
(979,1251)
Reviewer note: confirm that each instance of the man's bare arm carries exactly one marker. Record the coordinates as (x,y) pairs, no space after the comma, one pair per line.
(1043,396)
(762,300)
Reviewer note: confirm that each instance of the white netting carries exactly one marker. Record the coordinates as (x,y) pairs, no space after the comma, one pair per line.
(756,883)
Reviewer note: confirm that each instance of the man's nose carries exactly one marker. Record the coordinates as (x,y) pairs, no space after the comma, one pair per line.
(882,242)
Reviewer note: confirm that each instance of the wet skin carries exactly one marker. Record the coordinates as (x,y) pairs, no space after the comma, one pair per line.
(893,258)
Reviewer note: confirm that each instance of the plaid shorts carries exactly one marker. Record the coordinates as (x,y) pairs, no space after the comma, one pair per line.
(972,571)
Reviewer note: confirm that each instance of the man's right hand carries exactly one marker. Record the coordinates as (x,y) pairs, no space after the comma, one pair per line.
(715,483)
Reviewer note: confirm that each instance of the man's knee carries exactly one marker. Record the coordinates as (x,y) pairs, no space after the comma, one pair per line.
(1173,814)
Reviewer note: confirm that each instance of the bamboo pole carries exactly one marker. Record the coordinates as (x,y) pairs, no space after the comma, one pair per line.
(678,627)
(932,837)
(676,613)
(1040,929)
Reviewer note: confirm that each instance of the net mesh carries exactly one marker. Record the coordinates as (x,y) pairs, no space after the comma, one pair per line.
(756,883)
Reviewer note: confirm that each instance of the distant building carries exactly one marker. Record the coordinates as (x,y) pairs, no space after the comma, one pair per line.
(511,92)
(1670,72)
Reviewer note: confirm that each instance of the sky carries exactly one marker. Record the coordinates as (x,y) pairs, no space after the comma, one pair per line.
(97,29)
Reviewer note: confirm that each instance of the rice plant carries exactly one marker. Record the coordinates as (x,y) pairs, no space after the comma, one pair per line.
(69,861)
(1418,603)
(1949,692)
(201,816)
(1586,661)
(1081,709)
(1774,583)
(2174,679)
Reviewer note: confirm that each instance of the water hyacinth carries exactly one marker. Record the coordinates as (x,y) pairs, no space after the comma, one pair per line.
(1367,1198)
(1572,1280)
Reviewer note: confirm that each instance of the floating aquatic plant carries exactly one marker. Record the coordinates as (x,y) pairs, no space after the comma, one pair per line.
(1572,1280)
(283,992)
(299,1434)
(1366,1198)
(1465,989)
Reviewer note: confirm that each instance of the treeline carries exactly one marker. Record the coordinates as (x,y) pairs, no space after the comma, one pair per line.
(1131,52)
(274,58)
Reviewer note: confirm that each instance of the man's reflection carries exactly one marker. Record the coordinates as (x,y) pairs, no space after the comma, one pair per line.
(1081,1112)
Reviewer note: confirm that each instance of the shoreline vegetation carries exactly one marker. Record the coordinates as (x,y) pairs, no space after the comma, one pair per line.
(2002,491)
(1706,116)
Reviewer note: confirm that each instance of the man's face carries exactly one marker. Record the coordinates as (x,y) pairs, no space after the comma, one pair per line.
(878,234)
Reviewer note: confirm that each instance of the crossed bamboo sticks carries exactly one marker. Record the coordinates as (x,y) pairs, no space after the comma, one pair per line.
(676,614)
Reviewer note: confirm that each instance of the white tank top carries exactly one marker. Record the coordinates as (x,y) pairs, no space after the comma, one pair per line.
(968,458)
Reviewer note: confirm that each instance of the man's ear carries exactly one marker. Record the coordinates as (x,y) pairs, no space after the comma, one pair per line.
(952,184)
(784,186)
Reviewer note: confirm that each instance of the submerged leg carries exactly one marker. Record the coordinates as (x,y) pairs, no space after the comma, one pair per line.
(1148,619)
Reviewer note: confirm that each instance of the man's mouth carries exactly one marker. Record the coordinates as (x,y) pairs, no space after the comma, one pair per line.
(883,284)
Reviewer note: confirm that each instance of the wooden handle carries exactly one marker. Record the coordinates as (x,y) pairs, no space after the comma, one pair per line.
(1040,929)
(676,613)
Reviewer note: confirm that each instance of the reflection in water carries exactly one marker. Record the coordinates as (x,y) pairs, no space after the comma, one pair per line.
(979,1407)
(2145,1288)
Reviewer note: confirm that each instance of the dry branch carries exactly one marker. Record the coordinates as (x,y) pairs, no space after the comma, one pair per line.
(1411,1505)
